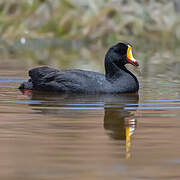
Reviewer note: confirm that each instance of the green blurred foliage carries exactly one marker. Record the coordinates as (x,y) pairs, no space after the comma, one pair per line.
(70,19)
(51,24)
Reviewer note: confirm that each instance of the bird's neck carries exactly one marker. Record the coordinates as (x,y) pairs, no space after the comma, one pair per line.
(112,70)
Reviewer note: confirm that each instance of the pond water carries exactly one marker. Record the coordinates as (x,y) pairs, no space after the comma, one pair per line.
(51,136)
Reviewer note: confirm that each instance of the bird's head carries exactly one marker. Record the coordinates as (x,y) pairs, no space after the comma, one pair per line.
(121,54)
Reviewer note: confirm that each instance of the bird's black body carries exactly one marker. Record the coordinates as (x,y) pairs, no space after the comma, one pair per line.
(116,80)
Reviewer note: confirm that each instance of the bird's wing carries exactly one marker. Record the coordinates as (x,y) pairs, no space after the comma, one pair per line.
(49,79)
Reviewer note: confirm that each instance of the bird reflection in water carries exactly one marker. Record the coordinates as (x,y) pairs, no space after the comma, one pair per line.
(119,122)
(120,125)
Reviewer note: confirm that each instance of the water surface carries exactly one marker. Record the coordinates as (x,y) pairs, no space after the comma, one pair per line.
(60,136)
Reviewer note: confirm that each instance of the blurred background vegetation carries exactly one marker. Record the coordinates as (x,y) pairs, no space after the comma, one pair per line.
(77,33)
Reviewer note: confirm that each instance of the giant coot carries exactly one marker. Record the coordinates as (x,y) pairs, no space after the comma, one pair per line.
(117,78)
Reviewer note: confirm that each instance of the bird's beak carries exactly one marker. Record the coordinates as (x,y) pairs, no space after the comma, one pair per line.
(130,57)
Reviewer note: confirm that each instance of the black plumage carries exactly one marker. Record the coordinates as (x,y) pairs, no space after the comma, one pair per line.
(117,78)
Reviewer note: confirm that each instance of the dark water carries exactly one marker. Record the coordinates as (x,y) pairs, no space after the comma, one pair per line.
(50,136)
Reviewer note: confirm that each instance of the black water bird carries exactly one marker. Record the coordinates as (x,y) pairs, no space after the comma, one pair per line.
(117,78)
